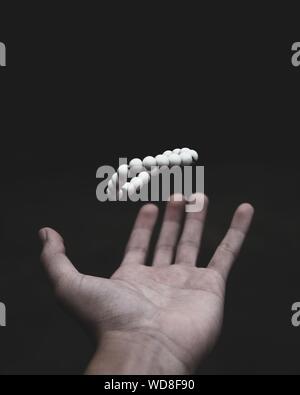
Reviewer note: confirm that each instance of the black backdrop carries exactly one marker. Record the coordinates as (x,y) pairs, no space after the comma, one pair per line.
(84,87)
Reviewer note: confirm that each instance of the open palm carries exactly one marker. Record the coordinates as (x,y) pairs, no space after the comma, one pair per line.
(172,302)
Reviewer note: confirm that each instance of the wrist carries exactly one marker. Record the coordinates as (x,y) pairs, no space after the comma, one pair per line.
(133,353)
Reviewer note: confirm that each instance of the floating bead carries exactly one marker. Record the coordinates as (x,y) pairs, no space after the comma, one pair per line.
(162,160)
(120,195)
(186,158)
(176,151)
(194,154)
(137,183)
(154,171)
(185,149)
(111,186)
(136,164)
(125,187)
(123,171)
(144,177)
(174,160)
(131,189)
(149,161)
(114,178)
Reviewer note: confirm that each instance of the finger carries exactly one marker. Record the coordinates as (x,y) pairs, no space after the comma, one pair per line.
(229,248)
(189,244)
(60,270)
(138,245)
(165,248)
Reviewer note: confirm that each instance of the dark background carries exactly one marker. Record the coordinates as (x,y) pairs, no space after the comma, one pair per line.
(83,87)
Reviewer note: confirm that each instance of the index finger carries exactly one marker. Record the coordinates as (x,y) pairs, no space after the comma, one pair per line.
(137,248)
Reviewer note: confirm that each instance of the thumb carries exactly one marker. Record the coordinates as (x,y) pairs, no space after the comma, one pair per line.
(59,268)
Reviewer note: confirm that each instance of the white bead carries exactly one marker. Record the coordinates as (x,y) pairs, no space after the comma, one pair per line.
(186,158)
(125,187)
(162,160)
(136,163)
(167,153)
(185,149)
(114,178)
(123,171)
(194,154)
(111,186)
(176,151)
(175,160)
(144,177)
(136,182)
(163,169)
(154,171)
(123,174)
(131,189)
(149,161)
(120,194)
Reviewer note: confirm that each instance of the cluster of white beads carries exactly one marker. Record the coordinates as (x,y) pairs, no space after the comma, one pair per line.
(150,165)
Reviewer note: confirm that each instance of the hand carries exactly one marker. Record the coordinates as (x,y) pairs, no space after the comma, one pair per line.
(159,319)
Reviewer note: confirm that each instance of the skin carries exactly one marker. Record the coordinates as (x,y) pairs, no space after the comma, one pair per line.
(158,319)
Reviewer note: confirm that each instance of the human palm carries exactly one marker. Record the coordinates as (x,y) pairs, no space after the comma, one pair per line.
(171,301)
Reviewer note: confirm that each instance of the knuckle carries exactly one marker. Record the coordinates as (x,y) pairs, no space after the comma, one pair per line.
(137,249)
(191,244)
(227,248)
(165,247)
